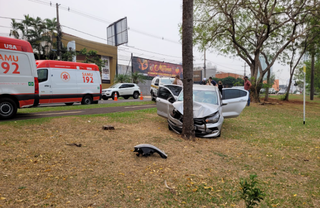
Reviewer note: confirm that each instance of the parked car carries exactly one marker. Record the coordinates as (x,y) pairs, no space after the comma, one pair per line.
(158,82)
(281,91)
(272,91)
(124,90)
(209,109)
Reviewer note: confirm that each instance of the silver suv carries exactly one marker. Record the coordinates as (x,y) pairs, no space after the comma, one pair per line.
(124,90)
(158,82)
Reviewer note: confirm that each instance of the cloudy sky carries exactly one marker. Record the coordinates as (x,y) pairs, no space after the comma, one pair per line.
(153,28)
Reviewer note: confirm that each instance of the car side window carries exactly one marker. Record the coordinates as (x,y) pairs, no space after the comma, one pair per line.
(156,83)
(123,86)
(164,93)
(130,85)
(232,93)
(42,75)
(175,89)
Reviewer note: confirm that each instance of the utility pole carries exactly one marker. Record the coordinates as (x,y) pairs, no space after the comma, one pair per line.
(204,66)
(244,69)
(59,34)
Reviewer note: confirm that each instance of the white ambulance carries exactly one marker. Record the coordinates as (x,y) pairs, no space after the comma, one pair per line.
(18,76)
(68,82)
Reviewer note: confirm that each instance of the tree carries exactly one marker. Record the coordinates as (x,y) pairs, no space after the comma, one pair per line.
(137,77)
(250,30)
(36,31)
(187,63)
(92,57)
(122,78)
(300,74)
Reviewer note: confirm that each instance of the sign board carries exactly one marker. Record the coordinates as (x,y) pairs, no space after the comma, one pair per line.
(117,32)
(105,70)
(156,68)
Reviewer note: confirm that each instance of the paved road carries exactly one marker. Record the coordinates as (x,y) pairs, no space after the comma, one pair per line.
(25,116)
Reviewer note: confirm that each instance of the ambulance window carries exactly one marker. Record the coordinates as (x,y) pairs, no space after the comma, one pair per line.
(42,75)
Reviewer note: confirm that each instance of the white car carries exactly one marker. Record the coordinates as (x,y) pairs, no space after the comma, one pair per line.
(209,109)
(124,90)
(158,82)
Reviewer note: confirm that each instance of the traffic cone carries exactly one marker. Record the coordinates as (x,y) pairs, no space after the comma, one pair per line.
(141,97)
(115,96)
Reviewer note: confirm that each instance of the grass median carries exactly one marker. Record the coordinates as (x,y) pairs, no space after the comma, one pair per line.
(40,169)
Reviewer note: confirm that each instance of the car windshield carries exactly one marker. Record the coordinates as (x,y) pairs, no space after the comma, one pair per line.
(166,81)
(202,96)
(115,85)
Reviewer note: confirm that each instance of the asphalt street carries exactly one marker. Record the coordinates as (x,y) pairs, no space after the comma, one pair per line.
(25,116)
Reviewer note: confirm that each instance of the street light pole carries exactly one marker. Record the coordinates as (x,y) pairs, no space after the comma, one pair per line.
(59,34)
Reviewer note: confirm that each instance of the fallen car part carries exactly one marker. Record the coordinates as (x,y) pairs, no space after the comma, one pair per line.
(147,150)
(74,144)
(107,127)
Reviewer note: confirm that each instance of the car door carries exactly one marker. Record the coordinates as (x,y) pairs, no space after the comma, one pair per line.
(163,102)
(233,102)
(123,89)
(45,91)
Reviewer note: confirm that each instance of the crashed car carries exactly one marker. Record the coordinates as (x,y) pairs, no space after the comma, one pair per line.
(209,107)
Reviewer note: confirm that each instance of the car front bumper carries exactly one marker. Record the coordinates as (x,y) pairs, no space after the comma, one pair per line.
(201,130)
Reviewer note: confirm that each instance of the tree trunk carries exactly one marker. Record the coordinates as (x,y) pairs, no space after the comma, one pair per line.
(266,97)
(312,78)
(187,63)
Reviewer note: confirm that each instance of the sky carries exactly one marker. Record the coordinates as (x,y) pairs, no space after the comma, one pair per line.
(153,28)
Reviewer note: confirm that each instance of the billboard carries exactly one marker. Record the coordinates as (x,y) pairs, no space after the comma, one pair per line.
(117,32)
(156,68)
(105,70)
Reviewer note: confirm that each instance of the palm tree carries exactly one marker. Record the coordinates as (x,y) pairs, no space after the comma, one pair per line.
(16,27)
(137,77)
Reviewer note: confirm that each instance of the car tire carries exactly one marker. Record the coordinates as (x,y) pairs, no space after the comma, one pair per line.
(8,108)
(135,95)
(87,100)
(69,103)
(126,97)
(113,95)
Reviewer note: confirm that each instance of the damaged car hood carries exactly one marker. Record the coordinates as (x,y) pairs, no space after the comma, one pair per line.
(200,110)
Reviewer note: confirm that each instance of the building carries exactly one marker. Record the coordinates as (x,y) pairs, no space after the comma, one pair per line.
(222,75)
(106,52)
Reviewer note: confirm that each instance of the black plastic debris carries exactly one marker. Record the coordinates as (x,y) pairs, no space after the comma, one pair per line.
(147,150)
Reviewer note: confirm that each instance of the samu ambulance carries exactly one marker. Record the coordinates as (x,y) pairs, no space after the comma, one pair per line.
(18,76)
(68,82)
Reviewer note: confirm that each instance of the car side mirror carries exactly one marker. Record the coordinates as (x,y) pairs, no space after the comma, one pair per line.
(224,103)
(171,100)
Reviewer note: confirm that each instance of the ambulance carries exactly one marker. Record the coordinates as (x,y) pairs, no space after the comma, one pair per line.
(68,82)
(18,76)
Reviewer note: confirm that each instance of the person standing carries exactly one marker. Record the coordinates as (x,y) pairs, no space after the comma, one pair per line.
(220,86)
(212,81)
(177,81)
(209,83)
(247,86)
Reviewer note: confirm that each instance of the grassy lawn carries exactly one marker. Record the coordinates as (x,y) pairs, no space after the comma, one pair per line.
(78,107)
(38,169)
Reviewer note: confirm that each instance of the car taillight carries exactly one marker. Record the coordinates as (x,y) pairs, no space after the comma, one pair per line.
(100,89)
(36,85)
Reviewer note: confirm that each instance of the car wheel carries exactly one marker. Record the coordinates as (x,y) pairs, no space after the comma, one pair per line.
(135,95)
(8,108)
(87,100)
(69,103)
(126,97)
(113,95)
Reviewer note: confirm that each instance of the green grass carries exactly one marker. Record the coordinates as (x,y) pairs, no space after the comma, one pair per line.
(267,140)
(79,107)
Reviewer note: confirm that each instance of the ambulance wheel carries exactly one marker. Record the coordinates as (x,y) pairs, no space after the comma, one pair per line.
(87,100)
(69,103)
(135,95)
(113,95)
(126,97)
(8,108)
